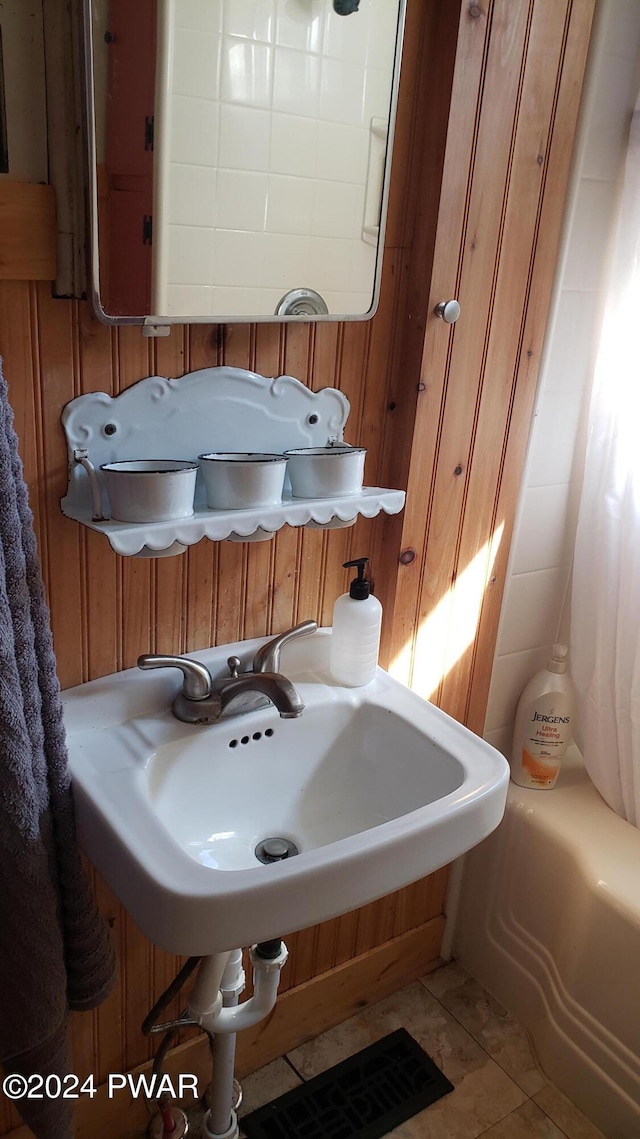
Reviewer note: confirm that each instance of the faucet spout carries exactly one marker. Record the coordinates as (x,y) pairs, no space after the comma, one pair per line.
(273,685)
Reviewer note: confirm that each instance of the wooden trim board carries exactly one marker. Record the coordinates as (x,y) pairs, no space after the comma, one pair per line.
(27,232)
(299,1015)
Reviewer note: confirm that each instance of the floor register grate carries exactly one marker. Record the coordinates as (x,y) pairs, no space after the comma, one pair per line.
(363,1097)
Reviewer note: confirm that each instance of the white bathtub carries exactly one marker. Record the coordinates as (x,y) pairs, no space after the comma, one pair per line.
(549,922)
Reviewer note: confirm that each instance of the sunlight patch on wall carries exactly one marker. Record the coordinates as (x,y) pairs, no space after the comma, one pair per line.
(450,628)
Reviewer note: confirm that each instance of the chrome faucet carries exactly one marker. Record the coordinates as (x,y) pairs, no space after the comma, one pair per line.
(205,700)
(277,689)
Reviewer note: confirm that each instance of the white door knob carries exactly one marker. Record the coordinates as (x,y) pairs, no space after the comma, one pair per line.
(449,311)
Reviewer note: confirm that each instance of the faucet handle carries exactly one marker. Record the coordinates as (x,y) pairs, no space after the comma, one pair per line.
(267,658)
(233,664)
(196,684)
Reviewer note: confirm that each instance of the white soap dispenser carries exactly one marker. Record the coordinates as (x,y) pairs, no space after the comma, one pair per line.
(355,637)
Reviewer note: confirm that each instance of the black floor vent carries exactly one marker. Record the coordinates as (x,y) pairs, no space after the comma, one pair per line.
(364,1097)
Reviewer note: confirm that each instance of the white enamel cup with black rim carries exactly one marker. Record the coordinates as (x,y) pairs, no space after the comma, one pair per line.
(240,480)
(326,472)
(150,490)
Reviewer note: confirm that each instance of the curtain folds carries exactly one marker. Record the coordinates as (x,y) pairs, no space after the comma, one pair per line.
(605,607)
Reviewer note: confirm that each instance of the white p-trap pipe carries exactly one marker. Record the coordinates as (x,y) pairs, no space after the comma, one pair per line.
(266,979)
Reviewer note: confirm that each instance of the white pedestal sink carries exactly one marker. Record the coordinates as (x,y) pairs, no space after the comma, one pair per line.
(374,786)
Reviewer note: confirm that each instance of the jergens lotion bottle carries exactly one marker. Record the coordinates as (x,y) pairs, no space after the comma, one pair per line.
(544,722)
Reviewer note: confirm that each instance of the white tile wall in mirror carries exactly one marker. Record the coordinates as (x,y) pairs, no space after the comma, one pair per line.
(267,168)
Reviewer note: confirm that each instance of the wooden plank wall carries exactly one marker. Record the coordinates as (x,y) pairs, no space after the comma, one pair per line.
(479,179)
(515,98)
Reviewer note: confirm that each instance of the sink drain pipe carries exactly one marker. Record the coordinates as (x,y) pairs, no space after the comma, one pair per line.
(213,1002)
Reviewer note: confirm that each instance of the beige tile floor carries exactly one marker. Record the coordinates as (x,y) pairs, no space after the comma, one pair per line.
(499,1090)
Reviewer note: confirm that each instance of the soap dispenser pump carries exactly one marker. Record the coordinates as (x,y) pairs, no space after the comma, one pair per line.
(355,637)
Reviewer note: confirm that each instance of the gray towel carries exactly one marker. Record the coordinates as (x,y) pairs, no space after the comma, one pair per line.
(55,952)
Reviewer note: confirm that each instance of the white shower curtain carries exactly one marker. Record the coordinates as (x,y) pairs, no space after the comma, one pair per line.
(605,608)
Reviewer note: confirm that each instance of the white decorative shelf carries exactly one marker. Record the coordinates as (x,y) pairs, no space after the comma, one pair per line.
(216,409)
(131,537)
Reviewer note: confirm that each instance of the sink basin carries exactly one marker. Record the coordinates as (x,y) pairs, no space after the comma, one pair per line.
(374,787)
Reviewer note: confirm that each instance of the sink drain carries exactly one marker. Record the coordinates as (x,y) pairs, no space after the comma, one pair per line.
(275,849)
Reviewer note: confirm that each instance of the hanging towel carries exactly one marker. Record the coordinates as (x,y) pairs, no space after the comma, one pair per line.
(55,952)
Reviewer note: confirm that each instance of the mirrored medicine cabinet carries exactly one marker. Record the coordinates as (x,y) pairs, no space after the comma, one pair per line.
(240,153)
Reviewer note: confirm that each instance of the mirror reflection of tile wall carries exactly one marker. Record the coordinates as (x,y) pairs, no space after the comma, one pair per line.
(276,138)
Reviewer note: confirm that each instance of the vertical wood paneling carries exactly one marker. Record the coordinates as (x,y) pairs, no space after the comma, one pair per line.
(505,173)
(479,255)
(57,352)
(524,187)
(475,170)
(170,574)
(97,345)
(203,348)
(138,610)
(450,36)
(558,160)
(476,208)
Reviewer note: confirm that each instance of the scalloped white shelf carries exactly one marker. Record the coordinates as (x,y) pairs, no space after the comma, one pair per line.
(213,409)
(131,537)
